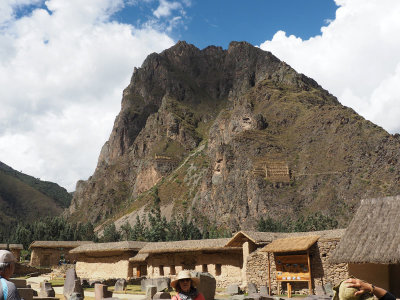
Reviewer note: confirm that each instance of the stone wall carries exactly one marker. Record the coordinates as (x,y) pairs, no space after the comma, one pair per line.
(47,257)
(107,267)
(322,271)
(226,267)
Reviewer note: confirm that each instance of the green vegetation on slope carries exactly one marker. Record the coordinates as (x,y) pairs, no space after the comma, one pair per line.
(50,189)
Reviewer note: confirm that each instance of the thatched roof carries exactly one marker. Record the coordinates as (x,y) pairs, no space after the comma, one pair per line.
(373,235)
(256,237)
(58,244)
(109,247)
(262,238)
(188,246)
(291,244)
(12,246)
(140,257)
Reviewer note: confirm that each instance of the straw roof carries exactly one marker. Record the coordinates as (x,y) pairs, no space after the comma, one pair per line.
(262,238)
(12,246)
(373,235)
(109,247)
(140,257)
(256,237)
(291,244)
(188,246)
(58,244)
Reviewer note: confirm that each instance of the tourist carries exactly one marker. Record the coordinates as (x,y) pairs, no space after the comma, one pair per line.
(185,286)
(8,291)
(365,287)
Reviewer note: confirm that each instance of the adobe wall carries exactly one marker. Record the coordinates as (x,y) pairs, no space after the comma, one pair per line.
(376,273)
(321,270)
(17,253)
(107,267)
(171,263)
(47,257)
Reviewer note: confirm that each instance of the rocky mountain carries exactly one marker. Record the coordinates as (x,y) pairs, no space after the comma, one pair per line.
(230,136)
(26,198)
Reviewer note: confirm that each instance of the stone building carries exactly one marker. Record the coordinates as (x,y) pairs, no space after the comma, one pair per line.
(250,241)
(166,259)
(49,253)
(106,260)
(14,248)
(320,250)
(371,242)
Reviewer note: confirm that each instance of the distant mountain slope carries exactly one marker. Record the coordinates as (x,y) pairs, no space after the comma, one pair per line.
(231,136)
(25,198)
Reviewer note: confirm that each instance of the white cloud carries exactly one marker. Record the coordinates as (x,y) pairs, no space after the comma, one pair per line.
(356,58)
(165,8)
(64,70)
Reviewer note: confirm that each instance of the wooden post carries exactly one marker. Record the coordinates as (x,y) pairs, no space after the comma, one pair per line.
(269,276)
(289,290)
(309,270)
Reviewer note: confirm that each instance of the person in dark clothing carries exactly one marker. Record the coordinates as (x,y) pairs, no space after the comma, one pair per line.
(365,287)
(8,291)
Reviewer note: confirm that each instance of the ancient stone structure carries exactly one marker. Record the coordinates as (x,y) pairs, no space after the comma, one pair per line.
(166,259)
(14,248)
(322,270)
(101,291)
(207,285)
(49,253)
(106,260)
(72,286)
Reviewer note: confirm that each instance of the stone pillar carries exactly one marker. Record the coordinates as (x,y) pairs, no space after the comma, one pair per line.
(101,291)
(246,253)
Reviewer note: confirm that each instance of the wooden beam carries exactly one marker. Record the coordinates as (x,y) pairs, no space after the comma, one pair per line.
(309,270)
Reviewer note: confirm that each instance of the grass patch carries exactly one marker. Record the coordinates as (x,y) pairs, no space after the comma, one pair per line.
(57,281)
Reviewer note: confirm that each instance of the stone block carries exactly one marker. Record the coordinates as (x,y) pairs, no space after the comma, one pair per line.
(101,291)
(237,297)
(46,290)
(93,282)
(328,289)
(264,290)
(19,283)
(75,296)
(120,285)
(161,283)
(251,288)
(319,290)
(26,293)
(151,290)
(207,284)
(72,284)
(161,295)
(233,289)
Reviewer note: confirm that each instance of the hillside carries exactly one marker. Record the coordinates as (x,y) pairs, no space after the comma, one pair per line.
(25,198)
(230,136)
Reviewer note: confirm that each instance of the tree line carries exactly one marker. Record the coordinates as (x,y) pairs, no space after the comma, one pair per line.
(151,228)
(313,222)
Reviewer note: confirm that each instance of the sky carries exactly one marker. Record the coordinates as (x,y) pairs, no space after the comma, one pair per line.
(65,63)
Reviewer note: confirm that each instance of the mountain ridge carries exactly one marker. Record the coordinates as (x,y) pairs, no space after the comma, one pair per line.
(249,111)
(24,198)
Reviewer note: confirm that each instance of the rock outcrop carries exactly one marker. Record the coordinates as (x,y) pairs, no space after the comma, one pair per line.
(230,136)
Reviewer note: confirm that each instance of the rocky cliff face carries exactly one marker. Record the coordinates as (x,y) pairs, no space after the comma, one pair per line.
(230,136)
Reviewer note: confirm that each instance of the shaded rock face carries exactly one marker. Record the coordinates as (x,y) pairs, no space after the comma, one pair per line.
(203,126)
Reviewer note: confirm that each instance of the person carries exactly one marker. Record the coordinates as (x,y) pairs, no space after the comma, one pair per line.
(185,286)
(8,291)
(365,287)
